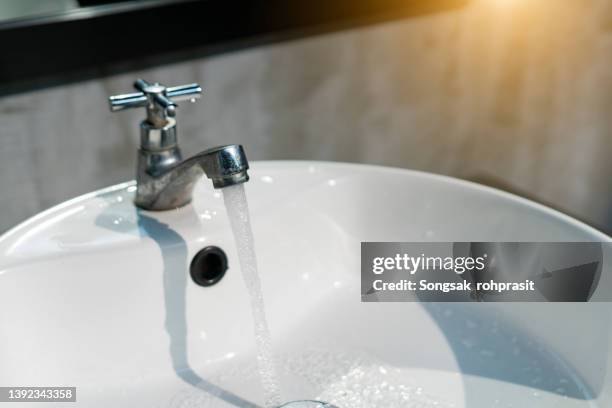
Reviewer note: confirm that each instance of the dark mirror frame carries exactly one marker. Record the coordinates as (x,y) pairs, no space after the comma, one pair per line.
(107,39)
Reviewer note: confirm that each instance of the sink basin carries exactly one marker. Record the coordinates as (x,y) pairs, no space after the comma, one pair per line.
(97,294)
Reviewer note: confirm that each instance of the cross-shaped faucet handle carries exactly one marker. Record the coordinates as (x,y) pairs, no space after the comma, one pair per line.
(156,98)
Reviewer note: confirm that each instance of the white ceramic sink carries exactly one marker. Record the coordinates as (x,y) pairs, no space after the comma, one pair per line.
(97,295)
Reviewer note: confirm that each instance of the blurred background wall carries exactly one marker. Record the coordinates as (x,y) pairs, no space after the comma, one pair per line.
(512,93)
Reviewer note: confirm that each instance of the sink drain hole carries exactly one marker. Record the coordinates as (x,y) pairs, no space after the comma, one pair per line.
(208,266)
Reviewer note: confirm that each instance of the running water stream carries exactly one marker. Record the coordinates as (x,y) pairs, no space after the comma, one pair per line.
(238,213)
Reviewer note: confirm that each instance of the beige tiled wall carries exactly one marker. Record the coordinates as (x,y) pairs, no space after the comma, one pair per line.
(515,92)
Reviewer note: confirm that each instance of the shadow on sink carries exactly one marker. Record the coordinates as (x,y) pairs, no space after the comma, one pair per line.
(175,272)
(487,345)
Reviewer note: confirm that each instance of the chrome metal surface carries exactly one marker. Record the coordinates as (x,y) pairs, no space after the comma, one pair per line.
(164,180)
(156,98)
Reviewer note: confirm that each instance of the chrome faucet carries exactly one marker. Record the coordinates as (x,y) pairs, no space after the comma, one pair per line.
(164,180)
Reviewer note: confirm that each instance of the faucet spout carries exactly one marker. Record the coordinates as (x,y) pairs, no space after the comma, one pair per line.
(225,165)
(165,182)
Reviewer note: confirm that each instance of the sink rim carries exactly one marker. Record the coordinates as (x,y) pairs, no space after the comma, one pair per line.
(261,164)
